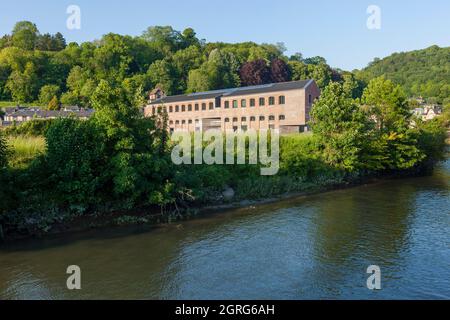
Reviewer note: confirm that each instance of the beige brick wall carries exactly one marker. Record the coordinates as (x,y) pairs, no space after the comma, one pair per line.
(295,110)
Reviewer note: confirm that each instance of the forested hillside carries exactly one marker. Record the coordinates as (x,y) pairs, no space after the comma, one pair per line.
(421,72)
(38,67)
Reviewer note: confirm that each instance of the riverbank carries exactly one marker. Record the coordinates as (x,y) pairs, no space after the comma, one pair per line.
(154,217)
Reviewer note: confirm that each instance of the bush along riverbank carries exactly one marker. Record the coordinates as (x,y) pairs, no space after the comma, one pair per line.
(116,168)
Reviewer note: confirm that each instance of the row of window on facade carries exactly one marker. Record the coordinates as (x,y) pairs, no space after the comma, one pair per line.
(235,119)
(234,104)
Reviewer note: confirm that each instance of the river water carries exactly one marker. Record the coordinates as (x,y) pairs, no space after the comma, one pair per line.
(314,247)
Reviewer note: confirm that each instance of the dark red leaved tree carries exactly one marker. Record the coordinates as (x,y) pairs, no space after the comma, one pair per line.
(255,73)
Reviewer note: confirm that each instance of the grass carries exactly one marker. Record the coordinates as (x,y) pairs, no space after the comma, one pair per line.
(4,104)
(24,149)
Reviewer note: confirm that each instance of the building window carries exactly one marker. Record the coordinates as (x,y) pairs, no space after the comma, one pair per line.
(177,122)
(177,108)
(262,102)
(196,107)
(170,109)
(271,101)
(235,119)
(235,128)
(183,121)
(243,119)
(211,106)
(252,118)
(281,100)
(309,99)
(203,106)
(190,121)
(227,104)
(235,103)
(243,103)
(190,107)
(282,117)
(171,122)
(271,118)
(261,118)
(227,119)
(183,108)
(244,128)
(252,102)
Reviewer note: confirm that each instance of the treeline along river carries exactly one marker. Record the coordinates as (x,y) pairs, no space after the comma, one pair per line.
(316,246)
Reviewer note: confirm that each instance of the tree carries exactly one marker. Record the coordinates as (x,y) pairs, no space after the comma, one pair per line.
(3,151)
(219,72)
(255,73)
(165,38)
(24,35)
(47,93)
(23,85)
(342,129)
(137,171)
(315,60)
(162,73)
(53,104)
(279,71)
(321,73)
(386,105)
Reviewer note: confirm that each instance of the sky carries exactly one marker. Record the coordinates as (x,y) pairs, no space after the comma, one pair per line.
(336,30)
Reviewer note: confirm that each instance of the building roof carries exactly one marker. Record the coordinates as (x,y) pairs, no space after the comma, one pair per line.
(265,88)
(26,112)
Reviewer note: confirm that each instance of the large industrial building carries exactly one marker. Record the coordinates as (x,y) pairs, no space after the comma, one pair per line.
(284,106)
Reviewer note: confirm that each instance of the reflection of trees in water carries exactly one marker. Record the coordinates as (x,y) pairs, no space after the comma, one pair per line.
(367,221)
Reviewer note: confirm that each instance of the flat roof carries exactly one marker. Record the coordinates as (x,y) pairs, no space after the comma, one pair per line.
(231,92)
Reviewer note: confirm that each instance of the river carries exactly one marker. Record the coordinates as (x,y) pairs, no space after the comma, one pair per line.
(313,247)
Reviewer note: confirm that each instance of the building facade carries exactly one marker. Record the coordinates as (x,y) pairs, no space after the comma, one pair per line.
(284,106)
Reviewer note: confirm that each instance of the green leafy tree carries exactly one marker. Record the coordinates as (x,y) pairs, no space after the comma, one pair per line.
(24,35)
(136,168)
(386,105)
(24,85)
(341,127)
(53,104)
(220,71)
(162,73)
(47,93)
(3,151)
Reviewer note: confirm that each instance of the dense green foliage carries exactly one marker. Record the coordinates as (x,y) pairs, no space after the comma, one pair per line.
(420,73)
(375,133)
(3,151)
(28,128)
(176,61)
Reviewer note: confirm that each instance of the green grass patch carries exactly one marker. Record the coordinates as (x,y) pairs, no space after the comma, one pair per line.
(23,149)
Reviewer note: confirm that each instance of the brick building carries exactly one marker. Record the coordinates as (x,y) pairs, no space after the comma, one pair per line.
(283,106)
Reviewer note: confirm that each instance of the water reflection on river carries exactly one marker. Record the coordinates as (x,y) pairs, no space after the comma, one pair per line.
(310,247)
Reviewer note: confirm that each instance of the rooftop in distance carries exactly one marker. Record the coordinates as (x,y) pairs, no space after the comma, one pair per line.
(271,87)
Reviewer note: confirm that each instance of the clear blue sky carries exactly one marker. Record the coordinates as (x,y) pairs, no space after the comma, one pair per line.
(335,30)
